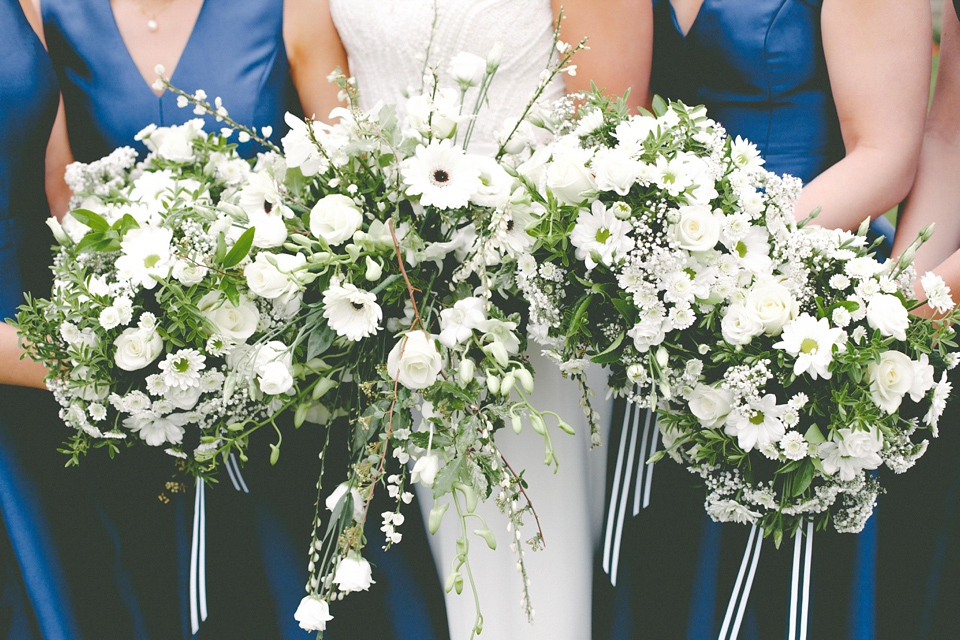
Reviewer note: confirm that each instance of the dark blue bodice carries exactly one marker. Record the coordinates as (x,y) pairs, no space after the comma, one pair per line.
(759,68)
(28,105)
(236,51)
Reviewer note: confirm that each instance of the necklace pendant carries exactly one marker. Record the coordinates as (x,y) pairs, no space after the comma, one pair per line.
(152,25)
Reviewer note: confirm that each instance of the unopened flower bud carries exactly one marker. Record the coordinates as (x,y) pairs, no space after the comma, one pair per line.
(506,385)
(864,226)
(525,378)
(537,424)
(58,233)
(566,428)
(927,232)
(493,58)
(436,516)
(662,357)
(493,383)
(466,371)
(516,423)
(487,536)
(374,270)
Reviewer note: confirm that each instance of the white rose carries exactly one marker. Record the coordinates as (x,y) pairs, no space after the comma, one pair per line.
(236,322)
(468,69)
(339,492)
(269,229)
(568,177)
(269,280)
(923,378)
(313,614)
(647,333)
(185,399)
(188,273)
(890,379)
(137,348)
(414,361)
(887,313)
(615,169)
(174,143)
(698,228)
(275,378)
(425,470)
(738,327)
(335,218)
(772,305)
(711,405)
(353,574)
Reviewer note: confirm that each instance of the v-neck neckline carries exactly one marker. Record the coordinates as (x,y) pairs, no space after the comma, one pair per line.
(133,63)
(696,18)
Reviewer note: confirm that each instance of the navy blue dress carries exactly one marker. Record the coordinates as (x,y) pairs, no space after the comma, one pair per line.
(256,542)
(760,70)
(34,600)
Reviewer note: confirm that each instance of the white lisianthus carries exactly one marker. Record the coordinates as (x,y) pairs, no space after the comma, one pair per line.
(353,573)
(615,170)
(759,426)
(937,292)
(458,322)
(137,348)
(711,405)
(739,327)
(335,218)
(269,229)
(351,312)
(339,493)
(299,150)
(273,366)
(157,430)
(414,361)
(442,175)
(890,379)
(234,322)
(855,451)
(425,469)
(269,276)
(175,143)
(467,69)
(568,176)
(313,614)
(811,341)
(600,237)
(439,115)
(772,305)
(495,183)
(698,228)
(887,313)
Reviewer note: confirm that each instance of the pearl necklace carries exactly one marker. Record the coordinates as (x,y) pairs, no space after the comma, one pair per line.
(152,23)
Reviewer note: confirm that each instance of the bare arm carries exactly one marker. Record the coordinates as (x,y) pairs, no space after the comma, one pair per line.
(878,58)
(936,192)
(620,36)
(13,370)
(314,50)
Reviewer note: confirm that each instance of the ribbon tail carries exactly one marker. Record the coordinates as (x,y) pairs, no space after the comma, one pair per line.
(748,567)
(624,495)
(807,574)
(236,471)
(202,560)
(615,495)
(194,551)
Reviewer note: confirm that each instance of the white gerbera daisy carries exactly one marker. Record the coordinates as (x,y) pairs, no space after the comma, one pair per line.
(442,175)
(810,341)
(599,236)
(351,312)
(745,154)
(182,369)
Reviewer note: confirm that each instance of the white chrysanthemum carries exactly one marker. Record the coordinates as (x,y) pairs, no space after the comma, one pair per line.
(937,292)
(810,341)
(760,425)
(182,369)
(109,318)
(211,381)
(938,402)
(841,317)
(839,281)
(155,385)
(862,267)
(350,311)
(97,411)
(600,236)
(442,175)
(745,154)
(794,446)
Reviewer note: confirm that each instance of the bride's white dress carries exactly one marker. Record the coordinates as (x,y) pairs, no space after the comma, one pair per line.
(385,42)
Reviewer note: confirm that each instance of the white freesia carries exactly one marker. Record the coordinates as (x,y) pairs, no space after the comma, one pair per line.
(335,218)
(887,313)
(136,348)
(425,469)
(937,292)
(414,361)
(339,493)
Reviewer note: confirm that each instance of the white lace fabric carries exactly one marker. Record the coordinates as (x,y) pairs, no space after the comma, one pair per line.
(386,41)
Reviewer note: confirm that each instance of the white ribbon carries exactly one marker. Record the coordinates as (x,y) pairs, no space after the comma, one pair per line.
(198,561)
(233,470)
(739,598)
(620,492)
(801,580)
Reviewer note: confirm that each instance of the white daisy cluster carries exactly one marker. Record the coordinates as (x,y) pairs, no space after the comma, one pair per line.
(776,351)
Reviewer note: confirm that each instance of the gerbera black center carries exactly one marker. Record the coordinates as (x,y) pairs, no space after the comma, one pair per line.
(441,176)
(357,305)
(510,225)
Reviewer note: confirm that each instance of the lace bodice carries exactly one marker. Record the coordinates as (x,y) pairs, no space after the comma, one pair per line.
(386,41)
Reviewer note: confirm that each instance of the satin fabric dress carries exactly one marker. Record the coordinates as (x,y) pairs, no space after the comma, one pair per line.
(34,599)
(759,68)
(256,543)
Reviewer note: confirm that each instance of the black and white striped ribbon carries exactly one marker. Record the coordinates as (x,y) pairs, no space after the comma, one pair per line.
(198,545)
(633,477)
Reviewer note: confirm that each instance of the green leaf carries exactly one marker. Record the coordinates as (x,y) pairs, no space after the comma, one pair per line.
(813,435)
(443,483)
(611,353)
(240,249)
(803,479)
(320,340)
(93,220)
(659,106)
(124,224)
(221,247)
(625,308)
